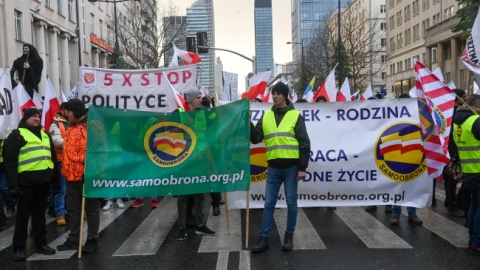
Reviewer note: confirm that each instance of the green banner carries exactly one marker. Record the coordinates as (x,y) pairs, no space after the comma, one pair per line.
(136,153)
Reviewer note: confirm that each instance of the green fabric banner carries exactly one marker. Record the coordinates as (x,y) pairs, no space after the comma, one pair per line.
(136,153)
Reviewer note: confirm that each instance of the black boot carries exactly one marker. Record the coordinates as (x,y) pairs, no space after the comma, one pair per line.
(261,246)
(288,242)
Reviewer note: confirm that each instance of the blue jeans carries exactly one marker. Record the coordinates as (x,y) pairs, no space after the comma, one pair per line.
(275,178)
(10,202)
(60,197)
(473,218)
(397,210)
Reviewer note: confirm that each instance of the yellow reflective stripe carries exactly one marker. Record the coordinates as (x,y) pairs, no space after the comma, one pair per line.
(284,134)
(31,149)
(32,160)
(469,148)
(280,147)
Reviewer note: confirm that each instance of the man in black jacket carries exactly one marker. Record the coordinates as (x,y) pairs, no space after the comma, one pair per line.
(288,151)
(29,158)
(27,69)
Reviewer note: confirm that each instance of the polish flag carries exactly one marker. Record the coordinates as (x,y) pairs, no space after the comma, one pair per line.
(173,93)
(354,96)
(367,93)
(321,91)
(328,88)
(24,100)
(37,99)
(187,57)
(267,98)
(344,94)
(258,84)
(51,106)
(293,97)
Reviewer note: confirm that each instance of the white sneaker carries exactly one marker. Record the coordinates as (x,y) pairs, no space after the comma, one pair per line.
(120,203)
(108,205)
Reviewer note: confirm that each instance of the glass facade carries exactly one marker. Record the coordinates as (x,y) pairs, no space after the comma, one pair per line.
(200,19)
(263,36)
(307,15)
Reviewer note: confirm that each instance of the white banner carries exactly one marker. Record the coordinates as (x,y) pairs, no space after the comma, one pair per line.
(9,110)
(230,86)
(362,153)
(141,89)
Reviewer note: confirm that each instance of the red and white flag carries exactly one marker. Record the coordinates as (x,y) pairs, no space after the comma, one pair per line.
(258,84)
(37,99)
(367,93)
(187,57)
(440,100)
(267,98)
(173,93)
(293,97)
(344,93)
(328,88)
(24,100)
(51,106)
(471,54)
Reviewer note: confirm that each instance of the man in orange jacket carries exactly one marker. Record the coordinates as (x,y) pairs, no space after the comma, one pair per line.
(73,167)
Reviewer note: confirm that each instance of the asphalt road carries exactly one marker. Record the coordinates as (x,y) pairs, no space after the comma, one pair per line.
(346,238)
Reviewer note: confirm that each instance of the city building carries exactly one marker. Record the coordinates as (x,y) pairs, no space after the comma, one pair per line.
(421,29)
(363,35)
(200,19)
(263,36)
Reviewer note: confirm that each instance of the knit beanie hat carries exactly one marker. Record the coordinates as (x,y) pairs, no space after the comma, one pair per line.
(459,93)
(191,94)
(76,106)
(27,113)
(281,88)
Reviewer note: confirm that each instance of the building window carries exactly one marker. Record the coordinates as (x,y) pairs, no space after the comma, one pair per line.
(392,22)
(392,44)
(407,13)
(18,24)
(384,75)
(448,52)
(399,18)
(463,75)
(383,26)
(446,13)
(92,23)
(70,10)
(59,7)
(382,9)
(384,58)
(100,25)
(391,3)
(434,55)
(383,42)
(47,3)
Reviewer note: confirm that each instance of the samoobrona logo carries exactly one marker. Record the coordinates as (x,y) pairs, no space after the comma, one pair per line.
(399,152)
(258,163)
(168,144)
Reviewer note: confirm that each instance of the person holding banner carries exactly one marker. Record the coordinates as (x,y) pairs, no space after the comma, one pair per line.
(467,138)
(28,158)
(193,98)
(288,149)
(73,168)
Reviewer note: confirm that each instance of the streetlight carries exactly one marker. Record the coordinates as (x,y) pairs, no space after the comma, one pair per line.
(116,53)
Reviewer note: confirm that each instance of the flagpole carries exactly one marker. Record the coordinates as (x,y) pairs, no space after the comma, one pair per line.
(82,215)
(247,222)
(227,212)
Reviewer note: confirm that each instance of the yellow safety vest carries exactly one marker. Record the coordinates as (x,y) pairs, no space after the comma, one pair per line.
(280,141)
(36,154)
(1,151)
(468,145)
(199,127)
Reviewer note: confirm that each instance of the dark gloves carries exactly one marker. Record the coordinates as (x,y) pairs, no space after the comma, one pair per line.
(15,192)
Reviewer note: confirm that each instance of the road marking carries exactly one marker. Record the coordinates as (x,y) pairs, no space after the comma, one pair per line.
(306,237)
(6,236)
(222,261)
(244,260)
(149,236)
(371,231)
(106,217)
(223,240)
(451,231)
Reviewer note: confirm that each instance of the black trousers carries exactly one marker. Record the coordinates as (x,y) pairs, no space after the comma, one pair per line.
(32,202)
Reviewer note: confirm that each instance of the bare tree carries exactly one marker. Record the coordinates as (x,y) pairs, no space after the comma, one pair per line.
(143,30)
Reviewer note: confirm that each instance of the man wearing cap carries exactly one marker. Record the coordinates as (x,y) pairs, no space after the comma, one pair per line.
(29,158)
(73,167)
(194,102)
(288,149)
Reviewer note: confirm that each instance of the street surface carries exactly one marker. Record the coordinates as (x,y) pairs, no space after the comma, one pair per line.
(346,238)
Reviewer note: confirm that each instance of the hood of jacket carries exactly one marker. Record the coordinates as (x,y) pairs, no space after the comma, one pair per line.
(463,113)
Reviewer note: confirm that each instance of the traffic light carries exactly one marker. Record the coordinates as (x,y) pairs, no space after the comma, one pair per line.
(202,41)
(191,47)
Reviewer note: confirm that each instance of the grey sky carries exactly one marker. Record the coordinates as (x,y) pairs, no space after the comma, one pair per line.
(234,30)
